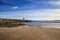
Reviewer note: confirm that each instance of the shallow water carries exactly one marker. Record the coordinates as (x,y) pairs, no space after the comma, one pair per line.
(43,24)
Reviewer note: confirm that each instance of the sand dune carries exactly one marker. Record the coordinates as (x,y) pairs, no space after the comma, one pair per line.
(29,33)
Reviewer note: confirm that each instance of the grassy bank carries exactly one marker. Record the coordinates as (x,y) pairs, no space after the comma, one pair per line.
(11,25)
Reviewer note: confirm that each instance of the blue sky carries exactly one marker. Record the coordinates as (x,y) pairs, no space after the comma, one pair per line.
(30,9)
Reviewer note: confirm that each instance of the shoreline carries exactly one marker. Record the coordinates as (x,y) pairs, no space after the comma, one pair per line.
(31,26)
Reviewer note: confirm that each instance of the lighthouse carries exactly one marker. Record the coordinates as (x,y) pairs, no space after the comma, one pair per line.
(23,19)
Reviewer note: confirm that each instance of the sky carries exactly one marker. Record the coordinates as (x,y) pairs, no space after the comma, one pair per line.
(30,9)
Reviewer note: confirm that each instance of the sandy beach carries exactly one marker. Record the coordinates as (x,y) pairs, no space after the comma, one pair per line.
(29,33)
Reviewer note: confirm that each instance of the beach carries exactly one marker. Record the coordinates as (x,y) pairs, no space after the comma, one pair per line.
(29,33)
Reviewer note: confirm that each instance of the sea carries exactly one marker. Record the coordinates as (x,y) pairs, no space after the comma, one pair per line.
(43,24)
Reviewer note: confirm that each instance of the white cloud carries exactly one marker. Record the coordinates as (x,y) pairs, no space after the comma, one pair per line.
(14,7)
(54,2)
(42,14)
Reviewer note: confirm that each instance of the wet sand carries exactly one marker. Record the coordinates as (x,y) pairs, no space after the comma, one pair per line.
(29,33)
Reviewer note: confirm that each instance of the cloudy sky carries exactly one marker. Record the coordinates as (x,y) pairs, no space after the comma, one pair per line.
(30,9)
